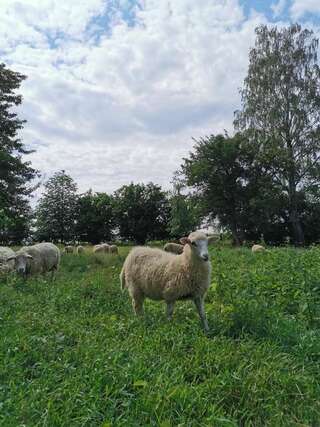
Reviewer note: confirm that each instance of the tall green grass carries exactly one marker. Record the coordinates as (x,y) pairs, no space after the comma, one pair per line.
(73,354)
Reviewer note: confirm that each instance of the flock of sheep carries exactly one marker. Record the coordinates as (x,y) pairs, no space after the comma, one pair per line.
(179,272)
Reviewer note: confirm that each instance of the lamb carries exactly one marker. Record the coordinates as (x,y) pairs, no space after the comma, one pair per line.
(113,249)
(174,248)
(69,249)
(159,275)
(6,265)
(258,248)
(40,258)
(80,250)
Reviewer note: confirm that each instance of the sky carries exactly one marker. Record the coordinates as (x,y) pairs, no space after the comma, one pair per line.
(117,89)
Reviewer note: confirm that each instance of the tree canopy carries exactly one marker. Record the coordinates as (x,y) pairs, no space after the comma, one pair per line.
(16,174)
(281,111)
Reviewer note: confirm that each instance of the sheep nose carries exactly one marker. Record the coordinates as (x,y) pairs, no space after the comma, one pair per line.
(205,257)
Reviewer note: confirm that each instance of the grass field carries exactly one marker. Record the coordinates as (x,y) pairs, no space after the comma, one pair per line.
(72,353)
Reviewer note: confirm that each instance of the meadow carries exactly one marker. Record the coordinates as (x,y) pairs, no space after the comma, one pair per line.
(73,354)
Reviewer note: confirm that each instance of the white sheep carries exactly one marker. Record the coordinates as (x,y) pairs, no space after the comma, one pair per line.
(159,275)
(113,249)
(80,250)
(6,265)
(106,247)
(69,249)
(258,248)
(174,248)
(40,258)
(98,249)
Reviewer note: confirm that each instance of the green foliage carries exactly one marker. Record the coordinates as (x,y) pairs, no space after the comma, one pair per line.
(234,188)
(95,217)
(15,173)
(72,353)
(281,111)
(56,210)
(185,214)
(141,212)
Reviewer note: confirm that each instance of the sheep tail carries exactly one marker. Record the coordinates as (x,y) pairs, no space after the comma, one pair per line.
(123,280)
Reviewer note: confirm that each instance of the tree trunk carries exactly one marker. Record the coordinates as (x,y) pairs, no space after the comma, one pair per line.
(298,235)
(237,236)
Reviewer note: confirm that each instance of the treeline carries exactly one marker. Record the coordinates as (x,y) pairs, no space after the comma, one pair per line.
(261,182)
(135,213)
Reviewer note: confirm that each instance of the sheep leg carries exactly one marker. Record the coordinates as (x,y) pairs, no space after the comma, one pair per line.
(137,304)
(169,310)
(199,303)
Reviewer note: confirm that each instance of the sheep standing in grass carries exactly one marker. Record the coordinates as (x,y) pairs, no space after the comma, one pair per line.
(69,249)
(174,248)
(113,249)
(80,250)
(5,265)
(99,249)
(106,247)
(258,248)
(159,275)
(40,258)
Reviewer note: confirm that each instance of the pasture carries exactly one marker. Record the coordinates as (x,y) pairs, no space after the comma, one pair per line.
(73,354)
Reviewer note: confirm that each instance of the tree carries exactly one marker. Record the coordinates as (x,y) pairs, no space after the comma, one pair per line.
(185,215)
(141,212)
(57,208)
(232,186)
(95,217)
(281,111)
(15,173)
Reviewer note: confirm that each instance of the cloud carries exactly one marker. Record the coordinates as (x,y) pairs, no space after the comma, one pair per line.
(278,7)
(300,8)
(116,89)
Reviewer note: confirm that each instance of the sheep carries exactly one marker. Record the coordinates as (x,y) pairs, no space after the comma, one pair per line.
(258,248)
(69,249)
(40,258)
(174,248)
(106,247)
(113,249)
(98,249)
(80,250)
(6,265)
(159,275)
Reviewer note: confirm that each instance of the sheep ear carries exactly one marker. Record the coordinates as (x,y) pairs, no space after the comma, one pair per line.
(185,240)
(11,257)
(29,256)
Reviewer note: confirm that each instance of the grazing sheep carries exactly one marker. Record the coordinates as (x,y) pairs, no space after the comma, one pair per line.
(113,249)
(69,249)
(6,265)
(40,258)
(159,275)
(80,250)
(174,248)
(258,248)
(106,247)
(98,249)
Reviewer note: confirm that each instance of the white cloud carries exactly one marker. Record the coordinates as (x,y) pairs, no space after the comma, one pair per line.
(123,106)
(301,7)
(278,7)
